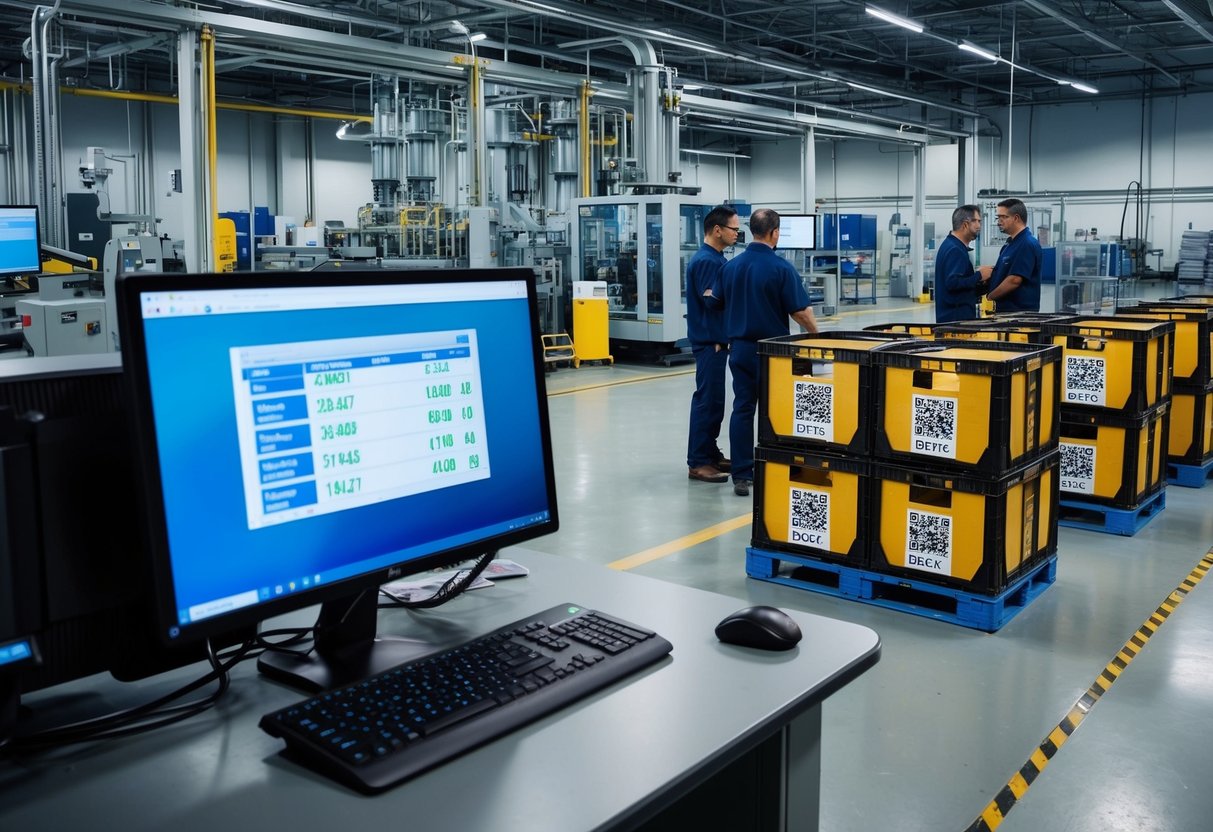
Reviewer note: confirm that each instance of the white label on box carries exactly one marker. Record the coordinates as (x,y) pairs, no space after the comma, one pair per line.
(1086,381)
(1077,468)
(933,426)
(809,518)
(929,542)
(813,411)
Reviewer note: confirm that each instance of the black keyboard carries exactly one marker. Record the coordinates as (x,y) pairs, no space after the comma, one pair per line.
(376,733)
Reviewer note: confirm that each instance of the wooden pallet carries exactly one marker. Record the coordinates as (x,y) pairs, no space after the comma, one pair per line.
(968,609)
(1123,521)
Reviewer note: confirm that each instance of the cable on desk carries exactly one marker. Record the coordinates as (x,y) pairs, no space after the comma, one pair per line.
(135,720)
(454,586)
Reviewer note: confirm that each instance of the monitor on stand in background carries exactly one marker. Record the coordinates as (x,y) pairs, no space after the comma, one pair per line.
(798,231)
(20,238)
(307,437)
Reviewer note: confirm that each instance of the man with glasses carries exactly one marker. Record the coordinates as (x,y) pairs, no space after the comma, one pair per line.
(957,283)
(761,290)
(709,344)
(1015,284)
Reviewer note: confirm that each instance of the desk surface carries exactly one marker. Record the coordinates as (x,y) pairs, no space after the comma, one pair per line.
(635,745)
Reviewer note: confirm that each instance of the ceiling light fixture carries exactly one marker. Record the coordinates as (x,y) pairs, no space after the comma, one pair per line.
(895,19)
(476,37)
(1084,88)
(978,51)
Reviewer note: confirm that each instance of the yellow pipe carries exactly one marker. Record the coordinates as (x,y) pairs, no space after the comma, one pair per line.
(583,136)
(170,99)
(212,141)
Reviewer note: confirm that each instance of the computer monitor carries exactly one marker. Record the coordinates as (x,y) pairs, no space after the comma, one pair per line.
(798,231)
(20,237)
(74,576)
(307,437)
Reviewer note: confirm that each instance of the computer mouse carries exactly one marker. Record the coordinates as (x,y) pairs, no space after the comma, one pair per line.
(761,627)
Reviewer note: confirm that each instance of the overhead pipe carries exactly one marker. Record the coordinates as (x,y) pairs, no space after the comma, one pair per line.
(155,98)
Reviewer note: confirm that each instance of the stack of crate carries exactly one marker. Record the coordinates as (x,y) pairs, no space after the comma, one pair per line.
(964,470)
(811,465)
(1115,394)
(1190,440)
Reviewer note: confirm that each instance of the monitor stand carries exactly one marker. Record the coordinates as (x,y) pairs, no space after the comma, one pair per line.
(345,648)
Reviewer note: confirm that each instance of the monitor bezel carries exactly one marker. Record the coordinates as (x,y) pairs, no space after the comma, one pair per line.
(816,232)
(5,272)
(134,352)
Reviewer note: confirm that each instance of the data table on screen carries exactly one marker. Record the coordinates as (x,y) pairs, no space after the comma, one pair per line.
(342,423)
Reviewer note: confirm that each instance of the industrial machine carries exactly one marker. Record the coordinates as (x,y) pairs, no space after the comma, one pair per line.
(68,317)
(639,246)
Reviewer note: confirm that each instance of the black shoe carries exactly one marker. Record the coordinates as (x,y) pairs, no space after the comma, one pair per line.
(723,463)
(742,487)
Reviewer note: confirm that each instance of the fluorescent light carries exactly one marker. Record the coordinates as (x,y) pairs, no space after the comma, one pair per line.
(477,37)
(1063,82)
(896,20)
(978,51)
(1084,88)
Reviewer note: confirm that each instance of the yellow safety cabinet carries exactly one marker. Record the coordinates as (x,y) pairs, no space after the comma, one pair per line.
(591,321)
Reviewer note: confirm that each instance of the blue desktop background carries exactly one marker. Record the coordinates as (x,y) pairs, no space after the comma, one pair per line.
(213,552)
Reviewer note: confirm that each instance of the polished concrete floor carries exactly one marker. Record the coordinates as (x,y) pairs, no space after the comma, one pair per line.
(927,738)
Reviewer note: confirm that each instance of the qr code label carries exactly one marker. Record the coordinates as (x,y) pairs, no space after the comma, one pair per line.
(809,518)
(933,426)
(1077,468)
(813,416)
(929,542)
(1086,381)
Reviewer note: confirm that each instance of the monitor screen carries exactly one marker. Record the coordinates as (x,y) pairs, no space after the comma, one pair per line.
(20,253)
(798,231)
(307,436)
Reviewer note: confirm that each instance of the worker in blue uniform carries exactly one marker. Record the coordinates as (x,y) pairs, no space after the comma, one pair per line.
(957,283)
(761,290)
(1015,284)
(709,344)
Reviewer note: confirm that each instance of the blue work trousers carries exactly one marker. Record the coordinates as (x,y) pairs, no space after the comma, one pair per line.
(707,405)
(743,362)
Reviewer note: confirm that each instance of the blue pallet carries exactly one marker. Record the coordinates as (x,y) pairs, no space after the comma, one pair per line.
(1190,476)
(968,609)
(1124,521)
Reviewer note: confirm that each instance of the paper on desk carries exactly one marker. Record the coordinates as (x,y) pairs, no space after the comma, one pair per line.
(419,588)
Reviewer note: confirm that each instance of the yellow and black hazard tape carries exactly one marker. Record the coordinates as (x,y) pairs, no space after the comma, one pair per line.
(992,816)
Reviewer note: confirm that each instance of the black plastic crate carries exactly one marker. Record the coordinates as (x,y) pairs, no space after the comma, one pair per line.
(1193,338)
(1119,363)
(1110,459)
(1190,438)
(979,407)
(923,330)
(815,390)
(812,504)
(972,533)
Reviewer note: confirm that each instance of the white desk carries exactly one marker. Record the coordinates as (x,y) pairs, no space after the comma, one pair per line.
(612,761)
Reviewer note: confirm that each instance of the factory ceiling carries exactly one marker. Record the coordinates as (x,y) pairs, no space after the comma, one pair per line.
(833,58)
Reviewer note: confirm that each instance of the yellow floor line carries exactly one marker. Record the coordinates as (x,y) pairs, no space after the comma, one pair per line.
(652,377)
(995,812)
(915,308)
(693,539)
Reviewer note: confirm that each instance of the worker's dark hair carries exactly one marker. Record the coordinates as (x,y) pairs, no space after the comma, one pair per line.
(763,222)
(963,214)
(720,215)
(1015,208)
